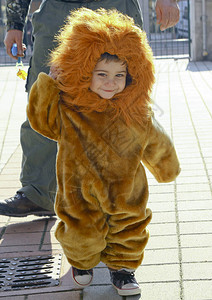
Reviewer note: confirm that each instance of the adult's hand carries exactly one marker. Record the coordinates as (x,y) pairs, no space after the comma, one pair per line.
(14,36)
(168,13)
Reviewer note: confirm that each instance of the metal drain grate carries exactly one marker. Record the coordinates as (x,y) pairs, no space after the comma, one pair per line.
(29,272)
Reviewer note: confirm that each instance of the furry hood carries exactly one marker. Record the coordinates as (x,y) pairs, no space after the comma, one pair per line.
(85,37)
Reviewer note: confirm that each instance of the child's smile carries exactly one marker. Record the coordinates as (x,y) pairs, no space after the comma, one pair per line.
(109,78)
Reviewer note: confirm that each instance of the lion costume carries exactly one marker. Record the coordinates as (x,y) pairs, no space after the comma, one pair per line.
(102,186)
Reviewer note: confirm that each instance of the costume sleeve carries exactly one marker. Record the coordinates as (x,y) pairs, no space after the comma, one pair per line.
(16,11)
(159,155)
(43,107)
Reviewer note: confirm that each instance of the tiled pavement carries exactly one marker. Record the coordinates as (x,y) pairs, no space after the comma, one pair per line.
(178,258)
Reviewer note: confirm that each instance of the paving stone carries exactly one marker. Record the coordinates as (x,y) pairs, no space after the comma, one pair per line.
(156,256)
(100,292)
(161,188)
(193,187)
(26,227)
(15,170)
(163,242)
(49,247)
(196,227)
(154,198)
(26,239)
(163,207)
(197,195)
(50,238)
(52,224)
(161,217)
(195,215)
(198,289)
(162,229)
(10,184)
(158,291)
(193,153)
(195,240)
(194,179)
(190,160)
(197,254)
(30,218)
(18,249)
(197,271)
(10,298)
(158,273)
(8,177)
(4,220)
(191,166)
(192,205)
(101,276)
(72,295)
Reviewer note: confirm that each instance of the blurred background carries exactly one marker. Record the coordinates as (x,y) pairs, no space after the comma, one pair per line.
(191,38)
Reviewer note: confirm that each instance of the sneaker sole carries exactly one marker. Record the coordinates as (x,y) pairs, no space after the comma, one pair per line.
(128,292)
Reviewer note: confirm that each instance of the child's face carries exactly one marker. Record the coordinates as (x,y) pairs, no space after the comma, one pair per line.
(109,78)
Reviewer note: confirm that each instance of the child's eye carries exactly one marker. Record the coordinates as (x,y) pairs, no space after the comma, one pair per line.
(119,75)
(102,74)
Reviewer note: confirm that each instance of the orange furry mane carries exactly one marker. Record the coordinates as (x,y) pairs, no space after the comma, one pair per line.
(85,37)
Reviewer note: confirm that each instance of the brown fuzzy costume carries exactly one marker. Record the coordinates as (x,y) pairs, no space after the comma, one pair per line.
(102,187)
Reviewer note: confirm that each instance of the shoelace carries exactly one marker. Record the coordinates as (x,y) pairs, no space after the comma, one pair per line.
(124,276)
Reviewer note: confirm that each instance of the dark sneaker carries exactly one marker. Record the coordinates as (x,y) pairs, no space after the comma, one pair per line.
(82,278)
(21,206)
(124,282)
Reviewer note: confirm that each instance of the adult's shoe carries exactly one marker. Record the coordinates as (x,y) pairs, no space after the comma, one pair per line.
(124,282)
(82,278)
(21,206)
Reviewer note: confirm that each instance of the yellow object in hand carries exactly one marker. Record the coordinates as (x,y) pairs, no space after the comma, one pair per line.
(22,74)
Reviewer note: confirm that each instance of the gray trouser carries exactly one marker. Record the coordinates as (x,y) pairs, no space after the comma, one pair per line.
(39,153)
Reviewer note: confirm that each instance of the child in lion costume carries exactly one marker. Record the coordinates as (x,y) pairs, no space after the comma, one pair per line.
(96,105)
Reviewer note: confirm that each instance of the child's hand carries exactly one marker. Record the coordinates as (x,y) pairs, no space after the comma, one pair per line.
(54,72)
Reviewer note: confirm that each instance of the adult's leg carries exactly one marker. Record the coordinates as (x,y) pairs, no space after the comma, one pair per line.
(129,7)
(39,153)
(38,176)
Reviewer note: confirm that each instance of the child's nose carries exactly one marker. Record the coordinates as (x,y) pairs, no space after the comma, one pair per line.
(110,82)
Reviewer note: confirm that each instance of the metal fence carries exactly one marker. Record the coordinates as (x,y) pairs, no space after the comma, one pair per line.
(171,43)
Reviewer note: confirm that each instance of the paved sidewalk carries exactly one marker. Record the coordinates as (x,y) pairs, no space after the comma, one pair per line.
(178,257)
